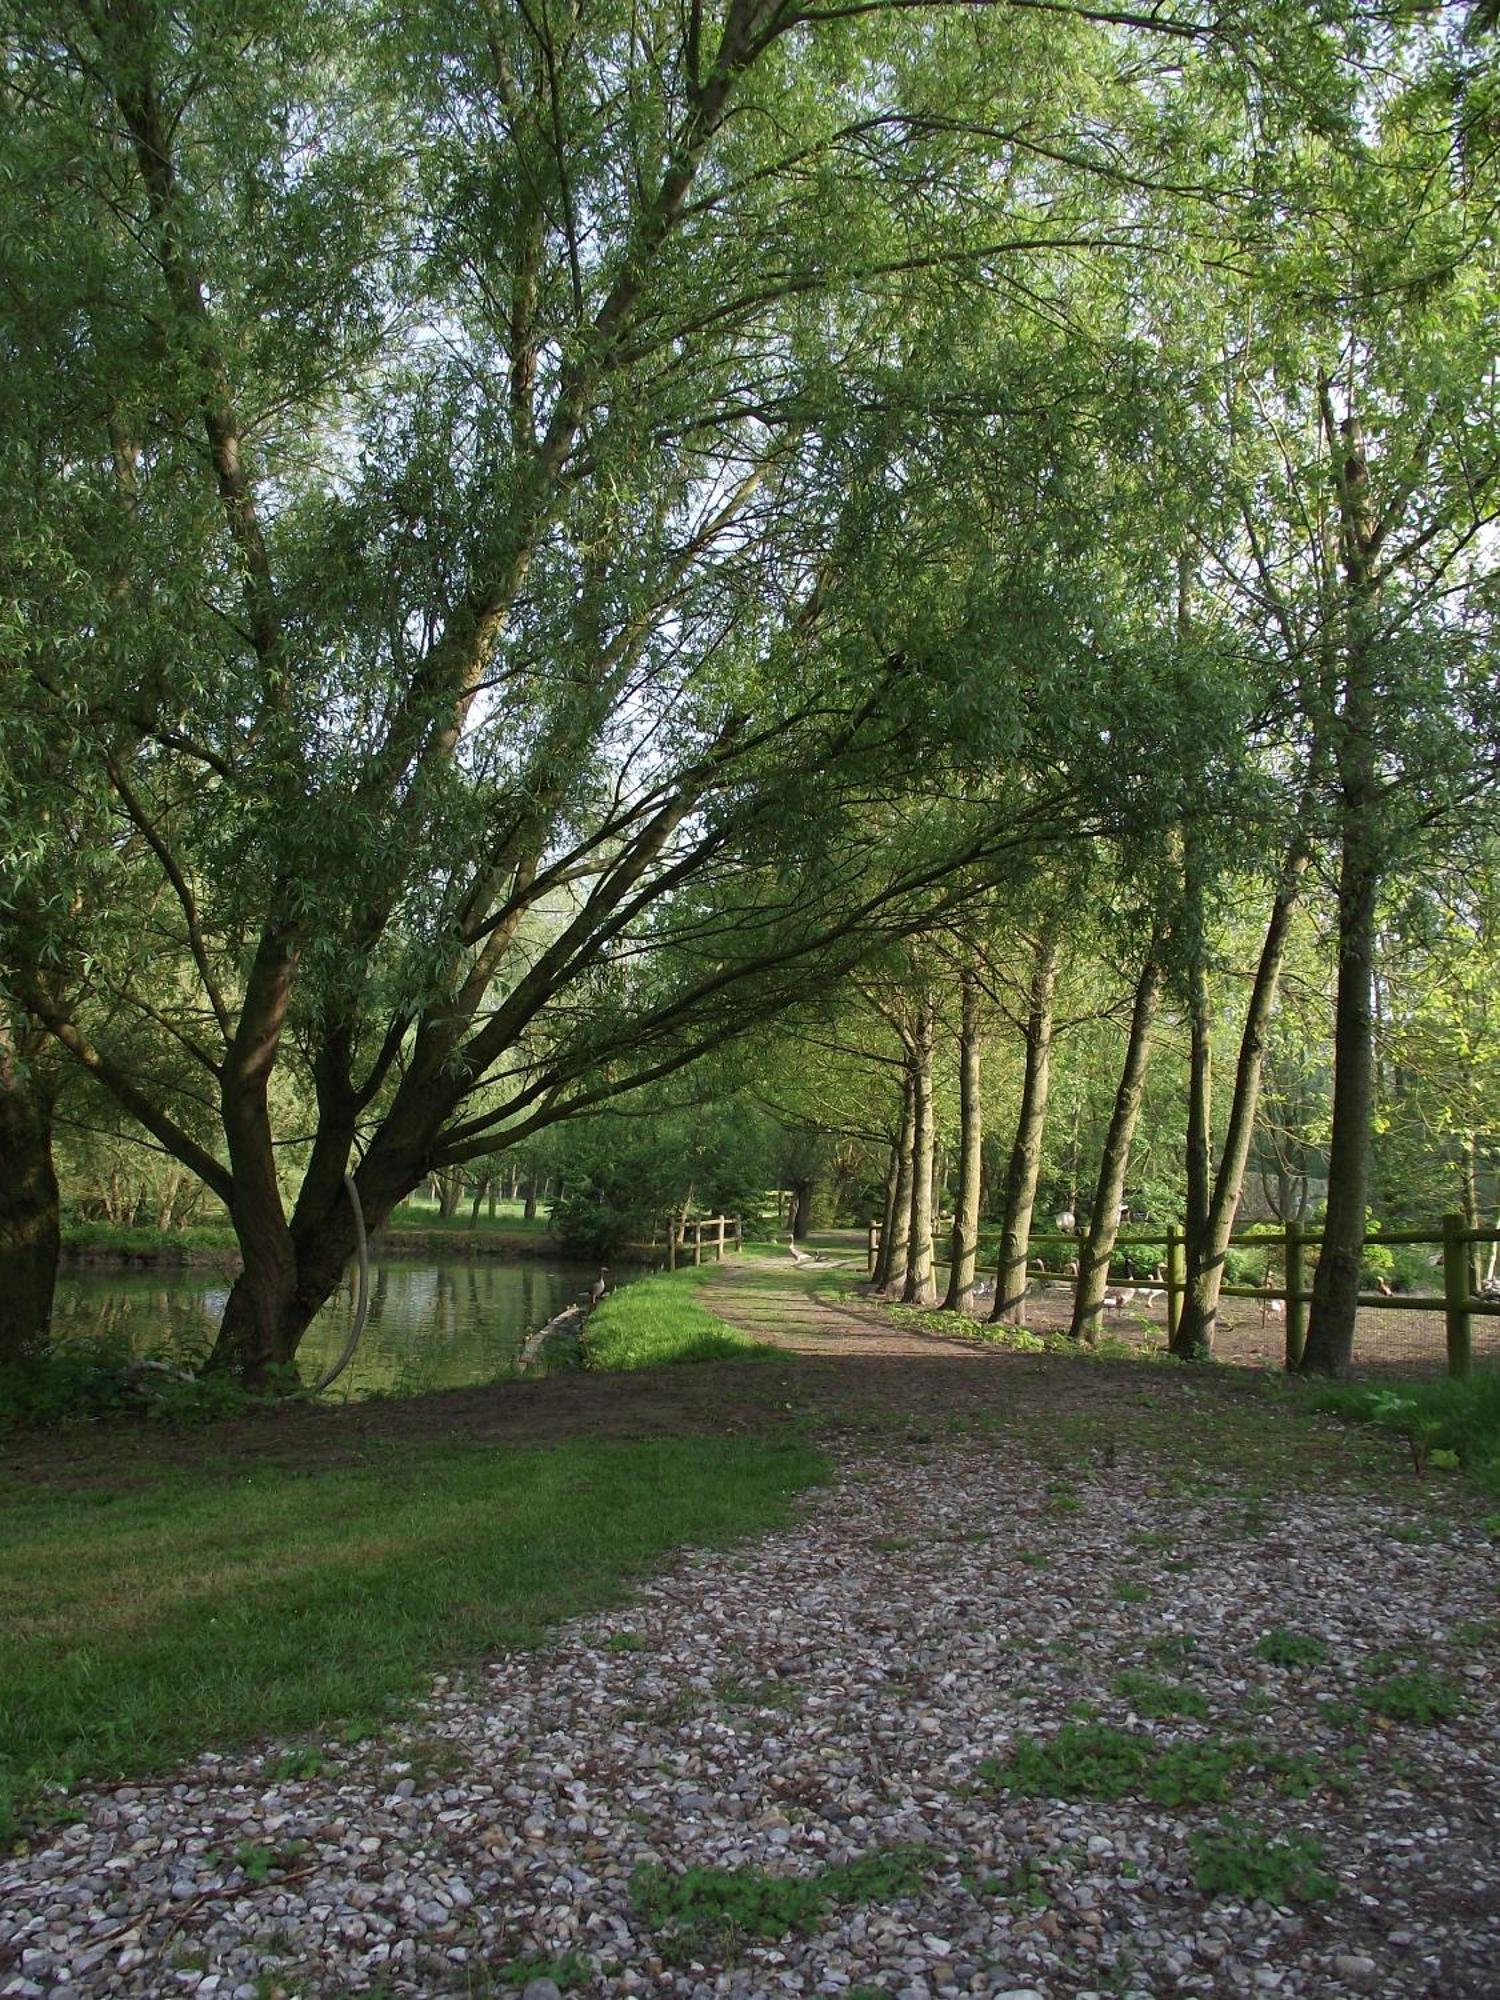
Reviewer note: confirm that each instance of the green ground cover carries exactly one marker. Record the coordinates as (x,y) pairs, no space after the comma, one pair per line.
(149,1619)
(1446,1424)
(662,1319)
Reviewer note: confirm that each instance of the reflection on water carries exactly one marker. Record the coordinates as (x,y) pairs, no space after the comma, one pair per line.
(432,1325)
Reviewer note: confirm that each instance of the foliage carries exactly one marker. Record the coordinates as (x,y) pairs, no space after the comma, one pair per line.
(1157,1699)
(1458,1417)
(1282,1647)
(1252,1867)
(1096,1760)
(723,1903)
(165,1610)
(85,1379)
(1420,1697)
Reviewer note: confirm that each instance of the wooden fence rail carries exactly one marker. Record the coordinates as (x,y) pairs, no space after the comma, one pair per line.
(688,1241)
(1457,1301)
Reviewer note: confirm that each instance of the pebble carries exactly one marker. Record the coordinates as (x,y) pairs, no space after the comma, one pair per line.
(831,1690)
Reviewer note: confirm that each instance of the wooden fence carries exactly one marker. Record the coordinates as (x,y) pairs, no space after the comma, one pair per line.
(687,1243)
(1457,1302)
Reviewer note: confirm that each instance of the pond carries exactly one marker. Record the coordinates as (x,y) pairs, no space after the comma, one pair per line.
(433,1323)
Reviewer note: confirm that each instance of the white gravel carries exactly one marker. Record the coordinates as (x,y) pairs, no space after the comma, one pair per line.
(833,1690)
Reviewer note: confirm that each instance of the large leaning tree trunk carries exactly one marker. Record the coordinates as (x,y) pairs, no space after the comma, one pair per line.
(30,1230)
(1025,1166)
(1335,1294)
(963,1251)
(918,1288)
(1104,1220)
(1207,1245)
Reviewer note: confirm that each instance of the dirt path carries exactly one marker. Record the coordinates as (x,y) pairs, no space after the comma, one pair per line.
(774,1301)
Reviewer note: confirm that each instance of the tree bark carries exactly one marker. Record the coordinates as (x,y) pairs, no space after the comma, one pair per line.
(1335,1293)
(1104,1221)
(918,1289)
(1026,1151)
(528,1207)
(964,1249)
(30,1230)
(1207,1246)
(891,1263)
(896,1219)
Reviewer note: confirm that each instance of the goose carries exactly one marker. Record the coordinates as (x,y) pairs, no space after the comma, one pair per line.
(599,1288)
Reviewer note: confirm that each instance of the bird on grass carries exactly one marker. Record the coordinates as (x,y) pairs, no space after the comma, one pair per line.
(599,1287)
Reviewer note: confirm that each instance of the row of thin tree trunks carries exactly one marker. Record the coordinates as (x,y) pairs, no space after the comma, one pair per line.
(905,1257)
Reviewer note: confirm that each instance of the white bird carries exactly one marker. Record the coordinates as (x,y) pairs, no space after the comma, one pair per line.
(799,1257)
(1117,1301)
(599,1288)
(1067,1222)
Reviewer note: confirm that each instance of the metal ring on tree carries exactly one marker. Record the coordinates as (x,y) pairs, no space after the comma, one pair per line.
(362,1302)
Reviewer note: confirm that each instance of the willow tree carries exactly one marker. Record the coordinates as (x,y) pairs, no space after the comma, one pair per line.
(463,451)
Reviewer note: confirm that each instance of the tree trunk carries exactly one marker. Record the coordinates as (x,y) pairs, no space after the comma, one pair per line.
(918,1289)
(450,1194)
(30,1231)
(528,1207)
(1469,1203)
(1026,1151)
(800,1215)
(1104,1221)
(963,1253)
(890,1265)
(1335,1293)
(1207,1248)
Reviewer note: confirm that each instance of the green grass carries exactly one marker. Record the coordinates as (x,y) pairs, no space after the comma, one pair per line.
(141,1623)
(702,1904)
(147,1241)
(1437,1418)
(1237,1861)
(1094,1760)
(660,1320)
(1282,1647)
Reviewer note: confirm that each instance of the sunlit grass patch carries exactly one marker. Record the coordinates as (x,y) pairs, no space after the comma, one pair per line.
(142,1624)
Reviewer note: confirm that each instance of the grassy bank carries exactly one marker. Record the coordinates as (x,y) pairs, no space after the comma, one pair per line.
(1446,1424)
(143,1622)
(660,1320)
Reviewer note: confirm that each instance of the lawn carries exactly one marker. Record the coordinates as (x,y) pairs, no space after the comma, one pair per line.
(148,1619)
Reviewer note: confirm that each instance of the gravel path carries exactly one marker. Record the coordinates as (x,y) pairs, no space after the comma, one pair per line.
(852,1686)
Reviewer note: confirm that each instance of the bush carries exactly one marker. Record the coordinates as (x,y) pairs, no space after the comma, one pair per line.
(1458,1417)
(84,1379)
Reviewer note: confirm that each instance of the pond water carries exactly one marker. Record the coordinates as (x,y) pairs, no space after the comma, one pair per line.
(433,1324)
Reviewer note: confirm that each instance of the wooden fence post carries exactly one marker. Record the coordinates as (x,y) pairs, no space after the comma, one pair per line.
(1176,1278)
(697,1239)
(719,1239)
(872,1248)
(739,1236)
(1294,1261)
(671,1242)
(1456,1296)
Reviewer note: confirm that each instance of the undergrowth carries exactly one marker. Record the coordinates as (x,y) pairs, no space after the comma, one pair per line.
(721,1904)
(1445,1423)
